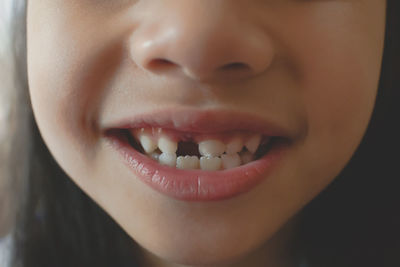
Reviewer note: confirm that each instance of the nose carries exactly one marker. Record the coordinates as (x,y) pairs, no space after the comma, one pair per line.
(202,40)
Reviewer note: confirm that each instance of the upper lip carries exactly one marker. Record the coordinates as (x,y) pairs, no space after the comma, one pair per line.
(202,122)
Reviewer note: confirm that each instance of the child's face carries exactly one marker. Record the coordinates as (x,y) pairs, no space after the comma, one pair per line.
(310,67)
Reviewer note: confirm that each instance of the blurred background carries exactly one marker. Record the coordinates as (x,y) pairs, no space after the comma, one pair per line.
(6,100)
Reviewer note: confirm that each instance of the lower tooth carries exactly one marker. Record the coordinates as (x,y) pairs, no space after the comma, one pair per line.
(167,159)
(210,163)
(230,161)
(187,162)
(246,157)
(155,155)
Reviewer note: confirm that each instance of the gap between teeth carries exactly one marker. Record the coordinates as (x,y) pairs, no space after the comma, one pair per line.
(215,155)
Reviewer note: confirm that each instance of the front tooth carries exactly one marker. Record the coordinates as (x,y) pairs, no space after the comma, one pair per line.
(211,148)
(253,143)
(234,146)
(147,143)
(167,159)
(246,157)
(166,145)
(210,163)
(230,161)
(187,162)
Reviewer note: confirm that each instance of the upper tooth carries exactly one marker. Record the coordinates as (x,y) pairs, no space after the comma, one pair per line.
(187,162)
(167,159)
(147,143)
(246,157)
(253,143)
(211,148)
(234,146)
(230,161)
(210,163)
(166,145)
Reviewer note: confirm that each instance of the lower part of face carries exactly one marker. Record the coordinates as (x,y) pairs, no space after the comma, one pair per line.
(312,67)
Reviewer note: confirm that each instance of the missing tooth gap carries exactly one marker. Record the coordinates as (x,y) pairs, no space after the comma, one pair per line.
(187,148)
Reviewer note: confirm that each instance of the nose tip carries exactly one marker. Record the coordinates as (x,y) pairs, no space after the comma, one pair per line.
(219,47)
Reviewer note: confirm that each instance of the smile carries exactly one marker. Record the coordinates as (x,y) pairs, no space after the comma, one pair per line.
(199,156)
(208,152)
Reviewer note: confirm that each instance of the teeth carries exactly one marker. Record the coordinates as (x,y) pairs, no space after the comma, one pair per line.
(166,145)
(147,143)
(167,159)
(246,157)
(155,155)
(211,148)
(253,143)
(187,162)
(234,146)
(210,163)
(230,161)
(215,155)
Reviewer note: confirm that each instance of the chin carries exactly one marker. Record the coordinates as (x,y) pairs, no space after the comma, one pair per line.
(198,256)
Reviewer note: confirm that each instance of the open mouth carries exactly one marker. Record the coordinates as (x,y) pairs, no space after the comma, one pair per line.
(192,151)
(207,158)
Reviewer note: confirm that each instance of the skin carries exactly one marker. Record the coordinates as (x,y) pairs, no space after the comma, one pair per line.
(312,66)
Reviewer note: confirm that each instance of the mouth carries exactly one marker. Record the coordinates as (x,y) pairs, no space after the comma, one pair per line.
(199,156)
(208,152)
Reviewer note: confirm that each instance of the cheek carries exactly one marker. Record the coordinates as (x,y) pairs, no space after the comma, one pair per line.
(57,106)
(341,79)
(336,62)
(340,69)
(67,77)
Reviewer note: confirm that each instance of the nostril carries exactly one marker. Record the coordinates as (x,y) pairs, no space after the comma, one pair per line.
(160,63)
(235,66)
(163,65)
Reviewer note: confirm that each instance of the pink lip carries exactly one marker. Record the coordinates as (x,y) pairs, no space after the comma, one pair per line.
(206,121)
(198,185)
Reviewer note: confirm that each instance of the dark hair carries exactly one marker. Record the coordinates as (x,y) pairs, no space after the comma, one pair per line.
(355,221)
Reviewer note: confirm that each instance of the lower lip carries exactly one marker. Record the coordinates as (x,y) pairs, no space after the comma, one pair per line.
(197,185)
